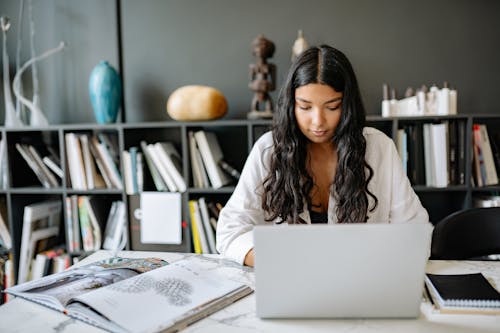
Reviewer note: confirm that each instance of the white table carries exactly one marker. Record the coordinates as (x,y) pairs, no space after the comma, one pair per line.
(22,316)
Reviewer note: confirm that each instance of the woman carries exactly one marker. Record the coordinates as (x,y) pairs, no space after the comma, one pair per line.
(319,164)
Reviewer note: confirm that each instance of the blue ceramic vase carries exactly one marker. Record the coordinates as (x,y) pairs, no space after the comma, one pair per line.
(105,92)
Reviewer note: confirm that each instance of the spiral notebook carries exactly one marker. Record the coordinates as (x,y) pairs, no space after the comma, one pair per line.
(463,293)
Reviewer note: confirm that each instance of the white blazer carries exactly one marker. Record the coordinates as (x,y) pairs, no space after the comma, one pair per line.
(397,202)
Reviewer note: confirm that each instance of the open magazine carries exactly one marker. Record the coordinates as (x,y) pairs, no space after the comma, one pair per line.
(115,296)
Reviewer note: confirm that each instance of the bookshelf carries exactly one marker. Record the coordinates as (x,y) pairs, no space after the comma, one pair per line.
(236,138)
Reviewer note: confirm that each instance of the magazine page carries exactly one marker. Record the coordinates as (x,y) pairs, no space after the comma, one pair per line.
(57,289)
(161,297)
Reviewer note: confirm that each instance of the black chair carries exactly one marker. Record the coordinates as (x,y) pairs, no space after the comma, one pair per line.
(467,234)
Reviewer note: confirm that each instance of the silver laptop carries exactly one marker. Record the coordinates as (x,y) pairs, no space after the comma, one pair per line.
(340,271)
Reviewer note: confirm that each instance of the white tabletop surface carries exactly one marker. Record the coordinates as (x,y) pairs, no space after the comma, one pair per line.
(22,316)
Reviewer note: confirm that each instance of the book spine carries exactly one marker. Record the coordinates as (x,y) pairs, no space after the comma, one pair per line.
(75,162)
(85,225)
(194,228)
(206,224)
(69,226)
(133,167)
(478,156)
(489,163)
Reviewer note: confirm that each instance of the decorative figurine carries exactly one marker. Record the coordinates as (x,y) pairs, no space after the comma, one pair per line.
(11,119)
(262,79)
(299,46)
(37,118)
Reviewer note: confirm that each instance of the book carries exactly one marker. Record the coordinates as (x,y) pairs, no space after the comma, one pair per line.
(429,174)
(229,169)
(3,164)
(195,165)
(463,293)
(479,167)
(489,162)
(93,179)
(154,154)
(102,175)
(75,218)
(53,166)
(462,144)
(195,233)
(171,160)
(401,145)
(44,169)
(209,232)
(86,228)
(40,223)
(127,172)
(133,167)
(115,232)
(30,160)
(75,162)
(155,174)
(196,217)
(139,172)
(495,148)
(68,223)
(5,237)
(108,163)
(211,153)
(439,151)
(109,294)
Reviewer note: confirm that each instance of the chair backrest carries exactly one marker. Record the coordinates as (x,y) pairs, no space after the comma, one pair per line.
(467,234)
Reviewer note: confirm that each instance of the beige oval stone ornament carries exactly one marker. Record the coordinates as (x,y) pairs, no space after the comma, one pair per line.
(196,102)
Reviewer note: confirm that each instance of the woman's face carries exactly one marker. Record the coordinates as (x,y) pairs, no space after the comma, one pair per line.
(317,109)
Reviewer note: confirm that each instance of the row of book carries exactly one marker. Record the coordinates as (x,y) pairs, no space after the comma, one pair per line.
(48,262)
(6,273)
(209,169)
(203,216)
(486,155)
(93,161)
(164,163)
(208,166)
(433,154)
(47,168)
(84,217)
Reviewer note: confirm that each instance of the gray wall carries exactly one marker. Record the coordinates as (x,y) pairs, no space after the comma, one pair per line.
(89,30)
(167,44)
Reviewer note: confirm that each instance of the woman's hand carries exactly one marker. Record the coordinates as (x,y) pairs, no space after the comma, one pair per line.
(249,258)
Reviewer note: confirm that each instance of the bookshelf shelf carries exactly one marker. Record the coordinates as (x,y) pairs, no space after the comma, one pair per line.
(422,188)
(35,190)
(236,138)
(490,188)
(225,190)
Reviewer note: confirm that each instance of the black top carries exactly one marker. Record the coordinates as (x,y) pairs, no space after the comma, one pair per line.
(317,217)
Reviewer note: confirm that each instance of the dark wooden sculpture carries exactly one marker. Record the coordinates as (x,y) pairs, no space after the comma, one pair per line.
(262,78)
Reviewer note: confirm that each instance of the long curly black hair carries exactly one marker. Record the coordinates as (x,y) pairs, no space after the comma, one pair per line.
(289,184)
